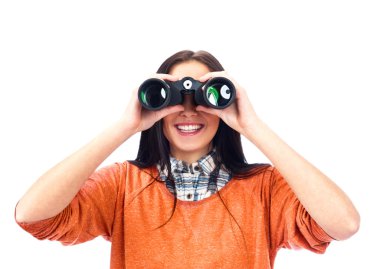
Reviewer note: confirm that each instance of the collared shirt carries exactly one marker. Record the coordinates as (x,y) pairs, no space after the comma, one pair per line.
(196,181)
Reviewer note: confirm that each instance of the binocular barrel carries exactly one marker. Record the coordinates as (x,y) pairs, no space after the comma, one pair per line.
(155,94)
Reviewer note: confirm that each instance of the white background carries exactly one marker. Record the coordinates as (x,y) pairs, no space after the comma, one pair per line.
(311,69)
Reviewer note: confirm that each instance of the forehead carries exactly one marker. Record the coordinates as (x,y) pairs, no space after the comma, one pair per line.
(191,68)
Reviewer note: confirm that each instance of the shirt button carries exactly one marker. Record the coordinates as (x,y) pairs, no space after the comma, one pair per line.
(196,168)
(189,196)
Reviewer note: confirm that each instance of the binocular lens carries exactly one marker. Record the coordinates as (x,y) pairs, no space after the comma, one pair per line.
(218,94)
(153,95)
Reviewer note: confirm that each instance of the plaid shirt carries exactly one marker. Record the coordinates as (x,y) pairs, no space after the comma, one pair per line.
(196,181)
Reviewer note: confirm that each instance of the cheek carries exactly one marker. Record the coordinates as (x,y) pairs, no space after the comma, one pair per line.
(213,122)
(165,127)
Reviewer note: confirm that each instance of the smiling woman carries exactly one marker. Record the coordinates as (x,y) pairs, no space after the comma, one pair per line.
(190,132)
(189,199)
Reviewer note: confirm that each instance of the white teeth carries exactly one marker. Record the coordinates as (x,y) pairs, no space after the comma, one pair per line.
(189,128)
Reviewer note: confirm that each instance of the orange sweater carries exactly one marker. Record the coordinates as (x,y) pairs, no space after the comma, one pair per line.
(126,206)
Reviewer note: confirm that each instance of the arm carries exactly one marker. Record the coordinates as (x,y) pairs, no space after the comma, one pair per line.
(327,204)
(55,189)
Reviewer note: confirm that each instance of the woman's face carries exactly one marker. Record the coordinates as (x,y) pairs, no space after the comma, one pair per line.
(190,132)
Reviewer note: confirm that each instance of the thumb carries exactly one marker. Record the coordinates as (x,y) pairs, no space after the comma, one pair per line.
(169,110)
(212,111)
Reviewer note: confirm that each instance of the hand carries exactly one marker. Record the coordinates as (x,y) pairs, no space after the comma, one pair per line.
(240,115)
(137,119)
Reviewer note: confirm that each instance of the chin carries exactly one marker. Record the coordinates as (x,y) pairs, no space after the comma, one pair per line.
(185,148)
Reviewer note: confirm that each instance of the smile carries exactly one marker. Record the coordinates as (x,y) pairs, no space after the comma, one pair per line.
(189,128)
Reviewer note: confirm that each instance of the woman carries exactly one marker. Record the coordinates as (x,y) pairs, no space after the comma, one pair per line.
(189,199)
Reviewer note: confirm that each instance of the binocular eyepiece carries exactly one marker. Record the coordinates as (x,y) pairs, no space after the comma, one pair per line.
(155,94)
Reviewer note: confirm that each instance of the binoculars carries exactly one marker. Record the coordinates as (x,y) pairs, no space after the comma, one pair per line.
(155,94)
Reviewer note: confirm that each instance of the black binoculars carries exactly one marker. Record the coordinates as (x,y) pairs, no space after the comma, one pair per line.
(155,94)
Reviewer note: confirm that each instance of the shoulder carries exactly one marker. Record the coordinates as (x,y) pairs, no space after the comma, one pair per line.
(258,181)
(126,169)
(124,178)
(124,174)
(132,171)
(136,179)
(264,183)
(260,173)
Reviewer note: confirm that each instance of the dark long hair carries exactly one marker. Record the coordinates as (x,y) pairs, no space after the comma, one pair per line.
(155,149)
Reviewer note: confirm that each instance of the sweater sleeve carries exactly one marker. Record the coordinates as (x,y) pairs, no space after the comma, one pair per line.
(90,213)
(291,226)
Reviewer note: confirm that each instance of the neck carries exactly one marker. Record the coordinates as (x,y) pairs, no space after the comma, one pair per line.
(190,156)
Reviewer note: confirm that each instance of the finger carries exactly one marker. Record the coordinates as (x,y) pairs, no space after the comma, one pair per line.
(169,110)
(210,75)
(133,100)
(166,77)
(205,77)
(212,111)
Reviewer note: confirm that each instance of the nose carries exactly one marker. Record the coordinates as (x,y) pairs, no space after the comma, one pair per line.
(189,105)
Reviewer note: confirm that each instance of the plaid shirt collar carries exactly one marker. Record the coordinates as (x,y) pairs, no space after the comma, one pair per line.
(192,181)
(206,164)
